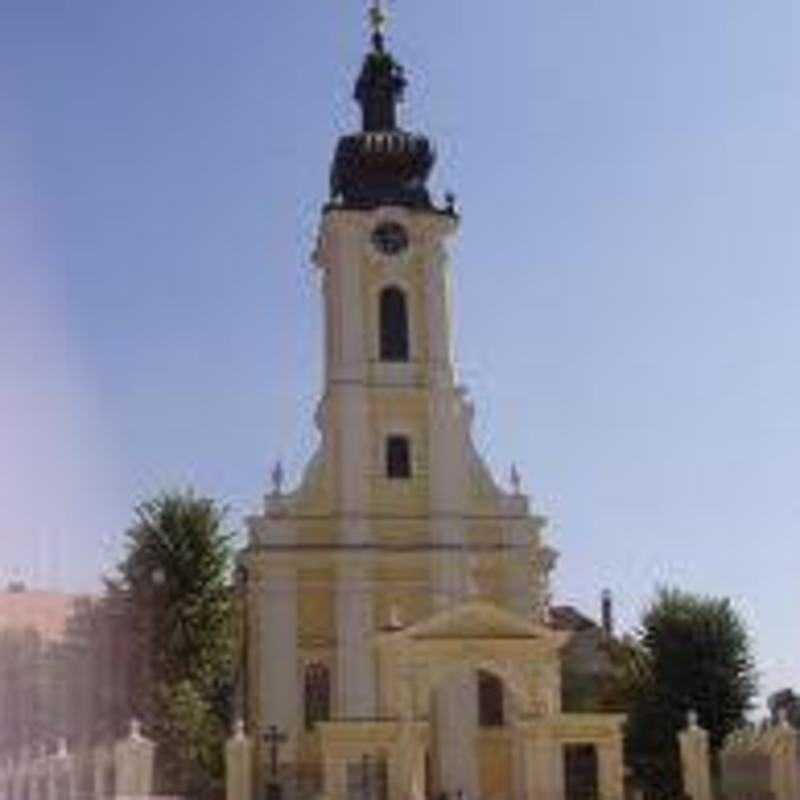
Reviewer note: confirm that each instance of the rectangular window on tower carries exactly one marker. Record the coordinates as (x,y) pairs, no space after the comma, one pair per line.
(398,457)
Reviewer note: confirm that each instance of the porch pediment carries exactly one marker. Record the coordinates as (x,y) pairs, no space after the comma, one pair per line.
(480,619)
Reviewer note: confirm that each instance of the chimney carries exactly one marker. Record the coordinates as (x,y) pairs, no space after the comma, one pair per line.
(607,613)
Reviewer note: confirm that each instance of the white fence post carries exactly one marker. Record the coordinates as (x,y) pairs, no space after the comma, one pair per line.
(784,768)
(693,742)
(239,765)
(133,764)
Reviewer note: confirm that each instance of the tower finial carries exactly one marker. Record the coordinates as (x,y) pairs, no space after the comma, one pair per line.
(377,19)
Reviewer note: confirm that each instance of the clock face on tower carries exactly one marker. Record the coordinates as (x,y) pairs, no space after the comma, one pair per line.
(390,238)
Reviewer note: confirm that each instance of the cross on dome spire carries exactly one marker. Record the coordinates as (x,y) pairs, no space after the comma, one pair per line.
(382,164)
(378,19)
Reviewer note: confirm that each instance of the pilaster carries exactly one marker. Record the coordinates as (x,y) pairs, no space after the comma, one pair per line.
(352,445)
(610,768)
(520,580)
(438,309)
(456,717)
(357,667)
(544,768)
(280,693)
(340,259)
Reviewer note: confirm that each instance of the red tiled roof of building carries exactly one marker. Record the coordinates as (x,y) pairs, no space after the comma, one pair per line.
(46,613)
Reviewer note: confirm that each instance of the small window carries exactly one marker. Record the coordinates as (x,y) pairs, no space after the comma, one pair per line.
(317,694)
(581,775)
(490,700)
(398,457)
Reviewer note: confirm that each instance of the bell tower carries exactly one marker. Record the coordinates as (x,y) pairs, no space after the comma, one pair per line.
(396,518)
(390,393)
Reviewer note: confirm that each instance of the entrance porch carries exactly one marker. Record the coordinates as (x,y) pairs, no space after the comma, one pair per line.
(428,738)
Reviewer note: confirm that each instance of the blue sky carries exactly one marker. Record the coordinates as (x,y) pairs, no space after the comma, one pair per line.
(626,279)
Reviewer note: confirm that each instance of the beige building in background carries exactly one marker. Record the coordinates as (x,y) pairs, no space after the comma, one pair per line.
(397,625)
(64,670)
(41,613)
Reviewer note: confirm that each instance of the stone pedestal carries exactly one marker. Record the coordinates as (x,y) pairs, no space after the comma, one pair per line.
(401,745)
(133,765)
(693,741)
(785,773)
(239,766)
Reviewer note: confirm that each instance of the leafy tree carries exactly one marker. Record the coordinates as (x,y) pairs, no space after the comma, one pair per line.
(692,653)
(175,581)
(785,700)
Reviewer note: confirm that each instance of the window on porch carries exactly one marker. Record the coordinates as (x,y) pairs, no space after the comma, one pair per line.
(490,700)
(580,772)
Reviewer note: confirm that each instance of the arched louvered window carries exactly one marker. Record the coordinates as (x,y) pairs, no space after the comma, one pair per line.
(398,457)
(393,325)
(490,700)
(317,693)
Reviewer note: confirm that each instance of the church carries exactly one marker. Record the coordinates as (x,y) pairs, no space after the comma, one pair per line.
(396,601)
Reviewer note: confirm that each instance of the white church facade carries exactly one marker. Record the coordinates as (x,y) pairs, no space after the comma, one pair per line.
(396,614)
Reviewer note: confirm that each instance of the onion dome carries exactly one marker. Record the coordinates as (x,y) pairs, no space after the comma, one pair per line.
(383,164)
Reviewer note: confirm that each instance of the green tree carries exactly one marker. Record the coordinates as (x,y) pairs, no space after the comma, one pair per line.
(692,653)
(785,700)
(175,580)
